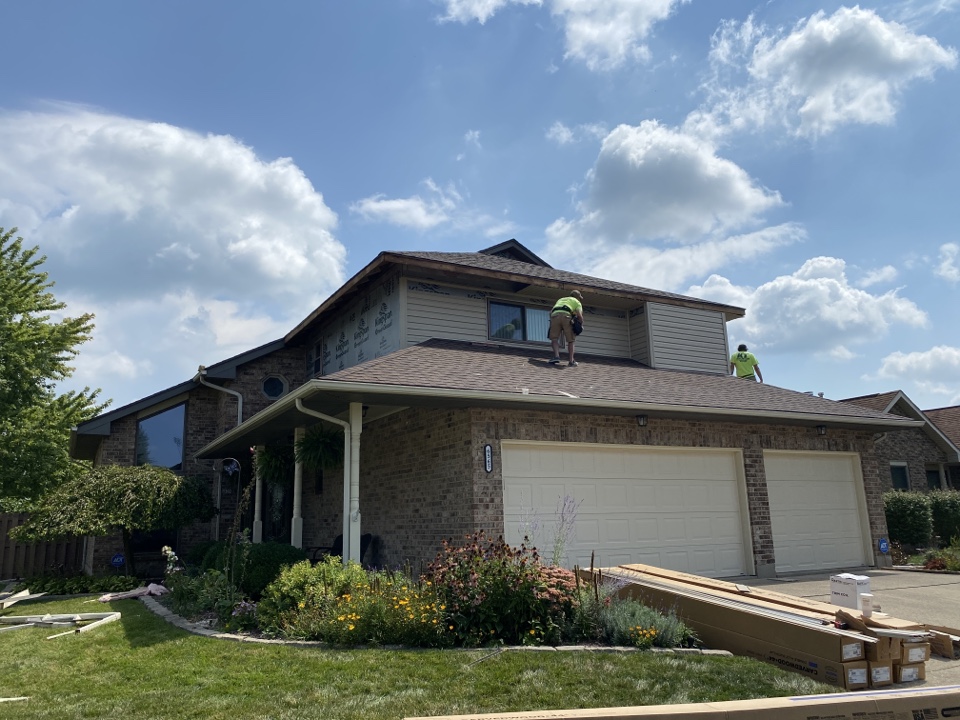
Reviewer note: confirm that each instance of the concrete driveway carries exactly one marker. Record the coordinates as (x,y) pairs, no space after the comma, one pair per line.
(924,598)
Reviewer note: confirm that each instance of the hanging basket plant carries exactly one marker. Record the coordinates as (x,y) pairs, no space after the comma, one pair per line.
(320,449)
(275,463)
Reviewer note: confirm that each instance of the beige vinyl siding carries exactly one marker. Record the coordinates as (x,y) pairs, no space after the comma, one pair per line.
(684,338)
(456,313)
(639,342)
(444,313)
(604,334)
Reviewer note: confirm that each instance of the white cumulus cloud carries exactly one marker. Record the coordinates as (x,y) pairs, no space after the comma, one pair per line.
(605,34)
(464,11)
(813,308)
(442,207)
(935,371)
(132,213)
(830,70)
(886,274)
(948,268)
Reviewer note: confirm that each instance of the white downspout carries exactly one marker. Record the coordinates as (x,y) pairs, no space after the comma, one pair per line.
(346,470)
(200,377)
(296,524)
(356,427)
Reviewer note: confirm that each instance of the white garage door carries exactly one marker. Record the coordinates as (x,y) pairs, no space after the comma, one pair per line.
(678,509)
(816,510)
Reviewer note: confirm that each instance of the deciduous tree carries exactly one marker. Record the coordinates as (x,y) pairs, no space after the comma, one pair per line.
(109,498)
(35,353)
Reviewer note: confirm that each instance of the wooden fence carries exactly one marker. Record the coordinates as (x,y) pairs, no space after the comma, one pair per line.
(19,560)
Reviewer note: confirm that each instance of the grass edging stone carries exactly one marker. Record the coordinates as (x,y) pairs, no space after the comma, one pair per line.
(165,613)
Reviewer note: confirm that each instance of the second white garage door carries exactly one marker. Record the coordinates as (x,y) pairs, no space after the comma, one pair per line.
(816,510)
(682,509)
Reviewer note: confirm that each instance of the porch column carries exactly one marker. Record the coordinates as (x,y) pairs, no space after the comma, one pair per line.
(356,427)
(257,506)
(296,526)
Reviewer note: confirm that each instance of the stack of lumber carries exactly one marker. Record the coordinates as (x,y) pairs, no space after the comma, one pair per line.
(810,637)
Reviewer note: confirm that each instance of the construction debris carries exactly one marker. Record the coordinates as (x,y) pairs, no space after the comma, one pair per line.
(8,599)
(80,622)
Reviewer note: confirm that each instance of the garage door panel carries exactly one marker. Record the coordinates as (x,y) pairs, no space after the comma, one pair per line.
(814,510)
(675,508)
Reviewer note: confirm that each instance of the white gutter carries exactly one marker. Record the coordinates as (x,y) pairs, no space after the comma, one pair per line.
(200,377)
(560,401)
(348,493)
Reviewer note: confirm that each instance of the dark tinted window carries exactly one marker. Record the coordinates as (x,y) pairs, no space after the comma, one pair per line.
(898,473)
(273,387)
(160,439)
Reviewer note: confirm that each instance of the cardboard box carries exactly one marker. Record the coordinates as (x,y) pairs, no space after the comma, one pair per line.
(849,675)
(845,589)
(915,653)
(919,702)
(943,643)
(910,673)
(885,648)
(880,672)
(702,612)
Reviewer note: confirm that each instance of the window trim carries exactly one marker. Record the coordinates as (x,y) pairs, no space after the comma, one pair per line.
(906,469)
(524,307)
(274,376)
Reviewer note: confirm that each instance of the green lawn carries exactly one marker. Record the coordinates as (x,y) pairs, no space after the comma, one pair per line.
(143,667)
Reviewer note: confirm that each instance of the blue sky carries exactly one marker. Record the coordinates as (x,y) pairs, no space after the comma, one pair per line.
(202,175)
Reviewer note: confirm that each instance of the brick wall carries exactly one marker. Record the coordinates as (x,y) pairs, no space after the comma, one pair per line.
(423,480)
(913,447)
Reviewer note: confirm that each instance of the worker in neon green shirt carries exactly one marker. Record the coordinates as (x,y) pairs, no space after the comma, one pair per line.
(561,323)
(745,364)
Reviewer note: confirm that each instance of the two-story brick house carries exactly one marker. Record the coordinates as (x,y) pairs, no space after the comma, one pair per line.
(435,367)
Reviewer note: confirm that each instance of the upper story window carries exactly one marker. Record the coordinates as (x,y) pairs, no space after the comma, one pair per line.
(509,321)
(160,438)
(273,386)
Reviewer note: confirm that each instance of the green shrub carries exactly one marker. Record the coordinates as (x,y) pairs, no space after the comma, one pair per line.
(78,584)
(261,563)
(909,519)
(294,602)
(498,594)
(255,565)
(194,595)
(945,511)
(195,555)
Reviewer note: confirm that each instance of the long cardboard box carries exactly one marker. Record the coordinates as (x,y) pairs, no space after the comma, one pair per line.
(806,638)
(852,675)
(922,702)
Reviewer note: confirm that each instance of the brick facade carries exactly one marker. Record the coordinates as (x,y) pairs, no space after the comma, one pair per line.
(913,447)
(422,475)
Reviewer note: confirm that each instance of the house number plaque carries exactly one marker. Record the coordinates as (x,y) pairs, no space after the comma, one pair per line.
(488,458)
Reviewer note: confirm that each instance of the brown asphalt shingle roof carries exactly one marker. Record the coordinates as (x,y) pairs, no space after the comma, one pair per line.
(475,367)
(877,401)
(495,263)
(947,419)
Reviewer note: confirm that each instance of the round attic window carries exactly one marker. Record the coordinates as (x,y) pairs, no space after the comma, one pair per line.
(274,386)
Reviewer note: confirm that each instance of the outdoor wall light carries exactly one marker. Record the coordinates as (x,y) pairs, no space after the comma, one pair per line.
(821,429)
(642,420)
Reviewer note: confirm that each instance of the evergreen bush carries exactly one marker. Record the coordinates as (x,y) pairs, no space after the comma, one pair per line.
(945,511)
(909,519)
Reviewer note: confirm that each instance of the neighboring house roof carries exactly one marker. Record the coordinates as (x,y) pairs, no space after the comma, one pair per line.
(497,271)
(897,403)
(449,373)
(947,419)
(86,437)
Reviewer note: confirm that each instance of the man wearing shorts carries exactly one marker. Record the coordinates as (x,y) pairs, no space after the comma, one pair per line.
(561,321)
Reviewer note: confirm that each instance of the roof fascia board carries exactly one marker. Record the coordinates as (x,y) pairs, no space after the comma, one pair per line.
(338,294)
(317,385)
